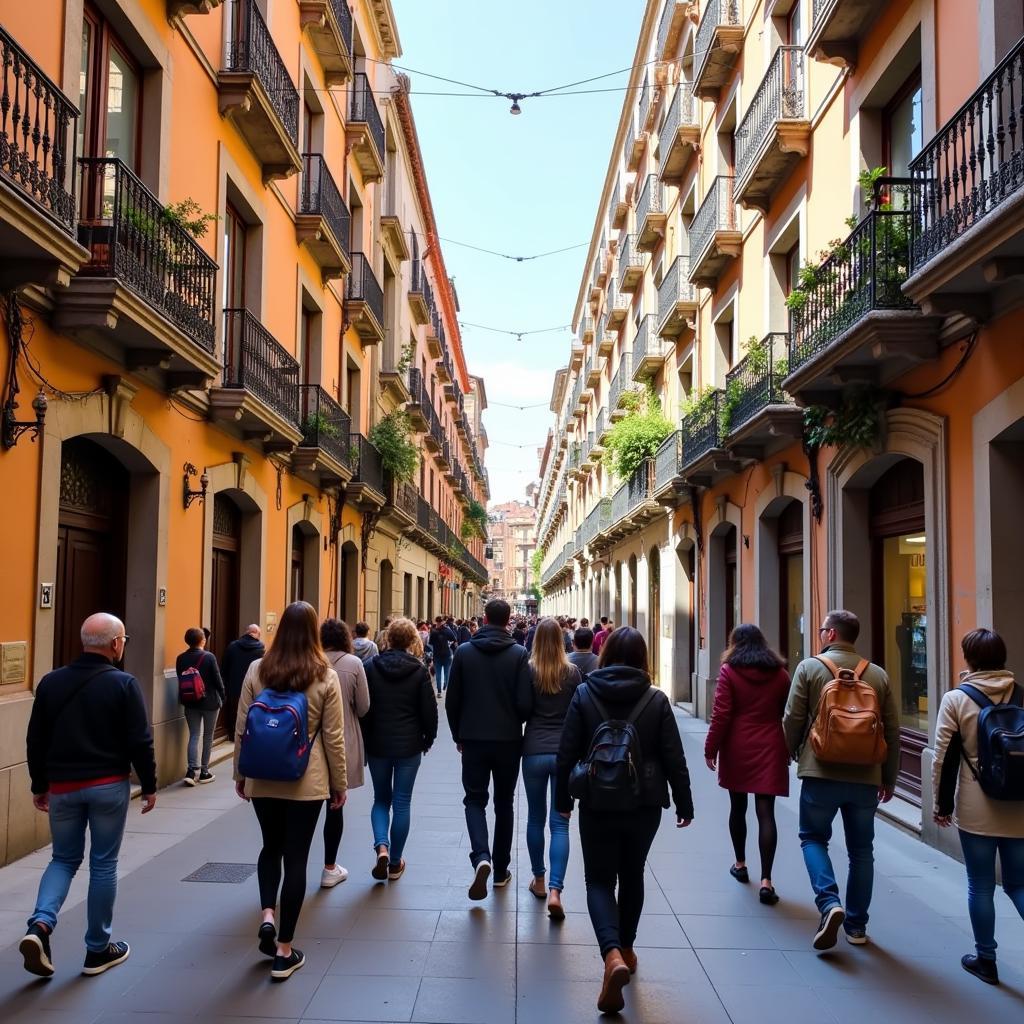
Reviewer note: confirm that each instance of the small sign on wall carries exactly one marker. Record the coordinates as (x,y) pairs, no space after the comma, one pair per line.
(45,595)
(14,663)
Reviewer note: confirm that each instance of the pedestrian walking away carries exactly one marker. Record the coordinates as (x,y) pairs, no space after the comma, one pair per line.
(399,729)
(987,826)
(201,693)
(442,640)
(746,744)
(555,680)
(490,696)
(621,743)
(287,773)
(583,656)
(363,647)
(87,731)
(355,701)
(607,628)
(847,765)
(238,656)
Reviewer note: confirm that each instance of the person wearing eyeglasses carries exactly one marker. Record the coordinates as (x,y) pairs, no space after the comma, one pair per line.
(87,731)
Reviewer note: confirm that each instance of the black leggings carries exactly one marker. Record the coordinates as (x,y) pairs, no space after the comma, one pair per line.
(334,826)
(767,834)
(288,827)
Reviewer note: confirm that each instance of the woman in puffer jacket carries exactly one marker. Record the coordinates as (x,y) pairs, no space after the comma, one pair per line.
(986,826)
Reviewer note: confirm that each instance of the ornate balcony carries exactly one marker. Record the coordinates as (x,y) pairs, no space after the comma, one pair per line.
(324,454)
(715,235)
(393,234)
(838,27)
(323,223)
(680,134)
(647,107)
(856,324)
(364,301)
(444,370)
(593,370)
(402,501)
(604,342)
(576,355)
(365,130)
(418,405)
(394,376)
(329,25)
(703,431)
(618,207)
(601,428)
(368,488)
(618,308)
(589,458)
(717,47)
(677,300)
(587,330)
(257,94)
(649,350)
(146,294)
(418,292)
(668,471)
(434,331)
(38,128)
(631,266)
(775,132)
(633,505)
(650,215)
(636,143)
(967,252)
(622,387)
(259,387)
(760,416)
(670,28)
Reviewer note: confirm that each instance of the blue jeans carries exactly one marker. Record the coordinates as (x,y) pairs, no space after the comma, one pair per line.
(441,672)
(393,779)
(980,860)
(820,801)
(196,719)
(539,778)
(104,810)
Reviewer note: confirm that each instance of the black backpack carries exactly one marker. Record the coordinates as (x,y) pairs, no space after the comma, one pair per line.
(609,778)
(1000,745)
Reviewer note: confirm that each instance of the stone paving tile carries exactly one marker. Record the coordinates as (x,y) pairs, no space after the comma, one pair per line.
(391,959)
(363,998)
(465,1001)
(775,1004)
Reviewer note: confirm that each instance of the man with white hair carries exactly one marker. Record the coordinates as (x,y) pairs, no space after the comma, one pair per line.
(87,731)
(238,656)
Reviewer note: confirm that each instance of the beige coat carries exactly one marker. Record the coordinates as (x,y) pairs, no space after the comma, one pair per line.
(326,771)
(355,697)
(974,811)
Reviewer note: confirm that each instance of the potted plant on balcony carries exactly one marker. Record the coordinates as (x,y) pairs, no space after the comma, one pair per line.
(392,437)
(760,370)
(637,436)
(474,523)
(317,425)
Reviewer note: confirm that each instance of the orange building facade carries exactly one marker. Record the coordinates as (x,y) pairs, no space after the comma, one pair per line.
(837,355)
(220,268)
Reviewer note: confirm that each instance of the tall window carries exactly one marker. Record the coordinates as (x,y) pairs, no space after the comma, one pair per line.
(902,133)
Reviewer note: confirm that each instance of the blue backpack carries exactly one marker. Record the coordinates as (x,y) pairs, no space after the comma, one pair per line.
(276,743)
(1000,745)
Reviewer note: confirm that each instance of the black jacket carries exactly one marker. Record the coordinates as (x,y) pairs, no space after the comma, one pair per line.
(81,730)
(618,688)
(240,654)
(209,670)
(464,635)
(402,720)
(490,689)
(441,641)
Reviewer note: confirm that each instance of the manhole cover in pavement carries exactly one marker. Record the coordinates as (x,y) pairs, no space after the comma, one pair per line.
(213,871)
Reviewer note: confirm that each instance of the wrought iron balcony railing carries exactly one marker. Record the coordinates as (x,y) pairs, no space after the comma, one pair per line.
(717,212)
(343,14)
(674,11)
(622,382)
(320,196)
(645,101)
(974,162)
(363,109)
(864,273)
(251,48)
(702,429)
(755,382)
(361,285)
(652,199)
(366,464)
(600,426)
(620,504)
(38,132)
(255,361)
(649,348)
(324,423)
(674,289)
(781,96)
(131,237)
(681,111)
(717,12)
(668,462)
(641,484)
(630,261)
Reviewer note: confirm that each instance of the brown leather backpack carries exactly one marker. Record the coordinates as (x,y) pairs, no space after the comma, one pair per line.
(848,727)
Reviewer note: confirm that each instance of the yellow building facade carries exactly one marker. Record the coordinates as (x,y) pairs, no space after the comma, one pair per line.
(805,247)
(221,271)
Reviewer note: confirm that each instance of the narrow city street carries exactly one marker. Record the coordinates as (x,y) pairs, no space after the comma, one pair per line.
(419,950)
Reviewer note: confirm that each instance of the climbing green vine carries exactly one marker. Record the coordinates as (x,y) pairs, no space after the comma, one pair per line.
(474,522)
(392,437)
(637,436)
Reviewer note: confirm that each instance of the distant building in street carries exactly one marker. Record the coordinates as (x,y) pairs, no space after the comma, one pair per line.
(513,540)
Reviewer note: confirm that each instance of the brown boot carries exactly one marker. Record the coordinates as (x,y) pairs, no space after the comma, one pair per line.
(629,957)
(616,978)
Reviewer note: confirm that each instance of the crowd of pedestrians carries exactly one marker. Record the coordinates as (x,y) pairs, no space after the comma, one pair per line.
(572,709)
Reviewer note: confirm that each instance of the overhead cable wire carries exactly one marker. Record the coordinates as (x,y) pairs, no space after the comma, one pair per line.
(508,256)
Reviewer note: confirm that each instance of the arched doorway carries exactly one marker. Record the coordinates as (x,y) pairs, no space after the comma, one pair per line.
(685,631)
(225,590)
(632,591)
(654,610)
(348,584)
(723,592)
(384,595)
(304,565)
(92,541)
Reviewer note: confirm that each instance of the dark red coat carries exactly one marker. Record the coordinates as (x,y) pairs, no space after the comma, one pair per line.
(746,731)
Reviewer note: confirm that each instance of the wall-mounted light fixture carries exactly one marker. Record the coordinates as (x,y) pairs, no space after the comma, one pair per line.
(188,495)
(13,428)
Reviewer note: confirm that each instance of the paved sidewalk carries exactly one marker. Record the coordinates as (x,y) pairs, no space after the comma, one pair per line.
(419,950)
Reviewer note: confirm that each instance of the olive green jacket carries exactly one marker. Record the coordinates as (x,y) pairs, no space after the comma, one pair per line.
(809,679)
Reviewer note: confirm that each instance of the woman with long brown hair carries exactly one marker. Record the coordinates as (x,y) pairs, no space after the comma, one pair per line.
(289,810)
(554,682)
(616,841)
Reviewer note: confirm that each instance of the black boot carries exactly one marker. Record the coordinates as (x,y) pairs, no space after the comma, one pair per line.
(981,967)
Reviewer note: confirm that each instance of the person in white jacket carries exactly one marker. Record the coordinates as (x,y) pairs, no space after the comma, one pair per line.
(986,826)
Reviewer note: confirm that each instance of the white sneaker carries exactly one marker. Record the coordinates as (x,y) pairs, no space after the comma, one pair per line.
(330,877)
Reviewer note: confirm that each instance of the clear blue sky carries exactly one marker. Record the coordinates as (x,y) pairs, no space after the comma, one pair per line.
(518,185)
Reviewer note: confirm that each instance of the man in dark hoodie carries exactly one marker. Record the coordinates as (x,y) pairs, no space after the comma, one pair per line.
(490,696)
(240,654)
